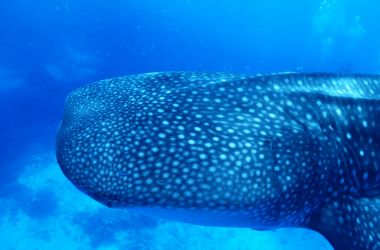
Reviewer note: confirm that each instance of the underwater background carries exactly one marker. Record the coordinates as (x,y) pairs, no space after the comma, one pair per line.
(50,47)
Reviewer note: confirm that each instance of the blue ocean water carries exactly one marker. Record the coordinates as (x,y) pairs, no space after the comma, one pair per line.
(48,48)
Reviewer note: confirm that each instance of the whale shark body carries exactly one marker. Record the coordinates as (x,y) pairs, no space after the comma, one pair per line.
(221,149)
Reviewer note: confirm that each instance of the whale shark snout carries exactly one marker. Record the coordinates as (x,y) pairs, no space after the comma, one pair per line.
(227,149)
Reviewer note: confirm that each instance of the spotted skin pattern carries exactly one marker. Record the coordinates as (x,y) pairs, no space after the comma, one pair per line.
(222,149)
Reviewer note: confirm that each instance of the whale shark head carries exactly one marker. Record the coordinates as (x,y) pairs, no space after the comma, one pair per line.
(206,148)
(187,141)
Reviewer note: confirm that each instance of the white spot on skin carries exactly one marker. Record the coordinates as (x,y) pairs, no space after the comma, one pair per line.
(191,142)
(348,136)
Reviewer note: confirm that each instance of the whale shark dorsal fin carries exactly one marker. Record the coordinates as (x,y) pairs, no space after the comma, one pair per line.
(350,223)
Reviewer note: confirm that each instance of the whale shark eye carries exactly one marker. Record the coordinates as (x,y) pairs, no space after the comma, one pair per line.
(122,173)
(160,182)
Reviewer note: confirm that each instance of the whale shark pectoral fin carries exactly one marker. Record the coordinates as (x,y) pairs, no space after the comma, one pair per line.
(350,223)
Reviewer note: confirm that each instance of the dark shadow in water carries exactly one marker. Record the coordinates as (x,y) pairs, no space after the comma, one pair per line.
(41,205)
(102,226)
(37,205)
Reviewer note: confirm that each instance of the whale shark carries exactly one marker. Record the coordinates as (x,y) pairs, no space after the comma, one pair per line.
(232,150)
